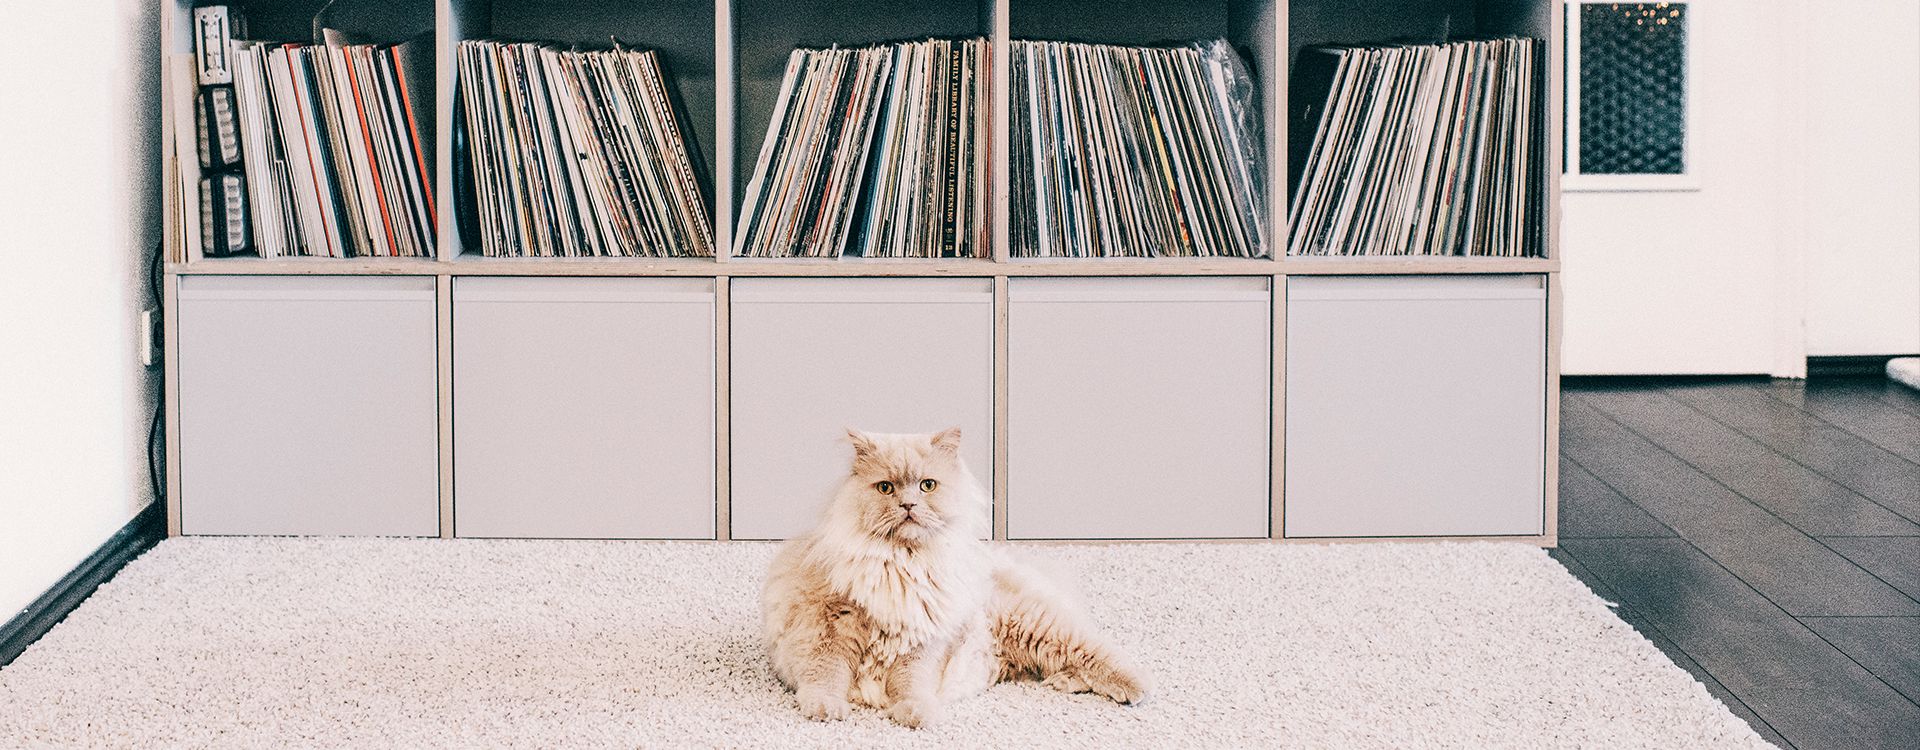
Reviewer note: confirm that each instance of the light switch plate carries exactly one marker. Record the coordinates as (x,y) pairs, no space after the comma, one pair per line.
(150,337)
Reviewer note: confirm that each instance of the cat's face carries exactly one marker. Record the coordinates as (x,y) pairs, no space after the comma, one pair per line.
(909,488)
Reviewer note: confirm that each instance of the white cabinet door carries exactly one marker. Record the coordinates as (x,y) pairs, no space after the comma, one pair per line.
(1416,406)
(1139,408)
(583,407)
(308,405)
(812,357)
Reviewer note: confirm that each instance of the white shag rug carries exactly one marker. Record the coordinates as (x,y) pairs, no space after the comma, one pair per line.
(274,642)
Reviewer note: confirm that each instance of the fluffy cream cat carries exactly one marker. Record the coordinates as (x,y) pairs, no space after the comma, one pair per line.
(894,602)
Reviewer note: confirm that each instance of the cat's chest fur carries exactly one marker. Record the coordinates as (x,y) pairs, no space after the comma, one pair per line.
(910,599)
(905,605)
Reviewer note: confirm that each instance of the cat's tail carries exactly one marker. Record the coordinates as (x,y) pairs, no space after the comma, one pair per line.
(1042,633)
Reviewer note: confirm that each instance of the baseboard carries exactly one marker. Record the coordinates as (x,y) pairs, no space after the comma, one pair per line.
(1841,367)
(140,534)
(1643,381)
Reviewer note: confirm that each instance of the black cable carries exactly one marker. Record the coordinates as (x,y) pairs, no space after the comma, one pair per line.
(156,479)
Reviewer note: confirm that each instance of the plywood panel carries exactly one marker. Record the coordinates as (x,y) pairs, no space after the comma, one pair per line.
(583,408)
(1416,406)
(812,357)
(1138,408)
(308,406)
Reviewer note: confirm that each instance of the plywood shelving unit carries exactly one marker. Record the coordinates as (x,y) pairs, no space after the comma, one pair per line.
(726,59)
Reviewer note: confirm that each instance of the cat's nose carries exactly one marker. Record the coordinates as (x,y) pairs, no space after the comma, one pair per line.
(908,506)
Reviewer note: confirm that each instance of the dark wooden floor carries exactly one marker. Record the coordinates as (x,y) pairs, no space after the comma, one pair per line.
(1766,536)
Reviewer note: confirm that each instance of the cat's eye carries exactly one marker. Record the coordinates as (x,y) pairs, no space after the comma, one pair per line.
(885,488)
(928,485)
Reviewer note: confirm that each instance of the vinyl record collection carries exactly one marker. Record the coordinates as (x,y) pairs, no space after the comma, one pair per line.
(580,154)
(1135,152)
(334,163)
(1419,150)
(879,152)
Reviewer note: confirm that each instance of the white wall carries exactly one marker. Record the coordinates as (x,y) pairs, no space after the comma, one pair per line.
(1801,237)
(79,215)
(1863,177)
(1688,282)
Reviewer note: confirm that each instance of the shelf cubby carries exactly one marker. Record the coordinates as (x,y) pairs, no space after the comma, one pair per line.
(1315,22)
(765,33)
(1125,394)
(813,357)
(1415,406)
(306,405)
(624,454)
(1311,23)
(362,21)
(681,31)
(1251,27)
(302,21)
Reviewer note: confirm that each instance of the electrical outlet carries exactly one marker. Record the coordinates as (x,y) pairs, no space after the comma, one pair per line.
(150,337)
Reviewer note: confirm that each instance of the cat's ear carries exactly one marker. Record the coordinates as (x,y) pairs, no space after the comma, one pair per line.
(863,444)
(947,440)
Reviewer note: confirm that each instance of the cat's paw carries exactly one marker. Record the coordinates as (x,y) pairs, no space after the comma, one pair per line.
(823,705)
(1066,681)
(1120,686)
(914,713)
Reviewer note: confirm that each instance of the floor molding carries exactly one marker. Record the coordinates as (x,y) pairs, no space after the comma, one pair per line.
(1655,381)
(1832,367)
(140,534)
